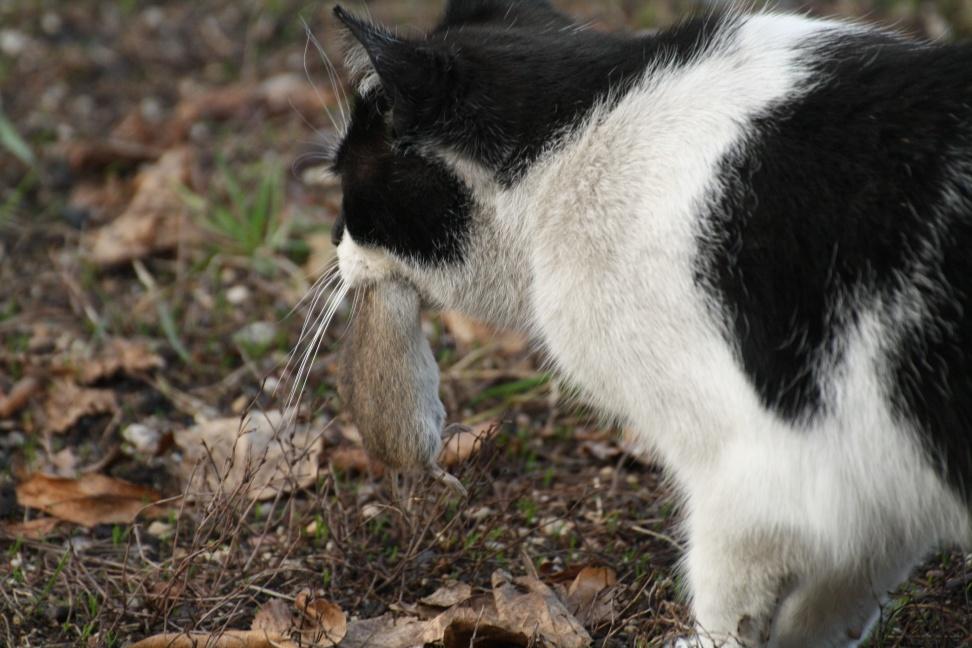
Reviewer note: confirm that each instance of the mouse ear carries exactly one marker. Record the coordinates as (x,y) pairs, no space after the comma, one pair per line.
(414,76)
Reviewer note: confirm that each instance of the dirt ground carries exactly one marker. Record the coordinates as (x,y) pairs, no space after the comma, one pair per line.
(161,219)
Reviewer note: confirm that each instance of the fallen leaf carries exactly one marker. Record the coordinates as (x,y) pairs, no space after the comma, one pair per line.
(88,500)
(591,596)
(36,529)
(601,450)
(462,445)
(354,459)
(312,622)
(156,219)
(67,403)
(278,94)
(469,332)
(163,594)
(387,631)
(19,396)
(85,156)
(450,594)
(227,639)
(120,356)
(274,617)
(479,618)
(526,605)
(261,455)
(93,202)
(322,623)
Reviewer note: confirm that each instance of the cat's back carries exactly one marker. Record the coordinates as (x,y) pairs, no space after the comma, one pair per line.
(845,215)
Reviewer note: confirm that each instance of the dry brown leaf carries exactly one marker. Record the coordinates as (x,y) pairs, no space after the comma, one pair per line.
(349,458)
(19,396)
(277,94)
(462,445)
(88,500)
(479,618)
(67,403)
(601,450)
(450,594)
(526,605)
(261,455)
(91,155)
(120,356)
(228,639)
(274,617)
(469,332)
(387,631)
(591,596)
(322,623)
(96,201)
(36,529)
(164,593)
(156,219)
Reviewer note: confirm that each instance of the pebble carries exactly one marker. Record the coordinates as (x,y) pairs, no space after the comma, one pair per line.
(160,529)
(12,42)
(51,23)
(237,294)
(13,439)
(257,334)
(478,513)
(555,527)
(80,544)
(143,438)
(369,511)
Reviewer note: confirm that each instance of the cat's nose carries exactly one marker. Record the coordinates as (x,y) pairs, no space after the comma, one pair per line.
(337,231)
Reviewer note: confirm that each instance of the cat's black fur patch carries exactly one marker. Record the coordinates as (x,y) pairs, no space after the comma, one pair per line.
(499,81)
(396,199)
(827,211)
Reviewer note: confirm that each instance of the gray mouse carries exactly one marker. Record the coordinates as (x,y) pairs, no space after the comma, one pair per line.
(389,381)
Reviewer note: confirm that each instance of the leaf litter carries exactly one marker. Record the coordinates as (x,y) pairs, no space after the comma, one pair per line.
(94,358)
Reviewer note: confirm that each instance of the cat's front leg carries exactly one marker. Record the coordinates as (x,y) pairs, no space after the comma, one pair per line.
(737,580)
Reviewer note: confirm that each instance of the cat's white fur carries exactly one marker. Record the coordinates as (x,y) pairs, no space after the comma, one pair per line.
(796,532)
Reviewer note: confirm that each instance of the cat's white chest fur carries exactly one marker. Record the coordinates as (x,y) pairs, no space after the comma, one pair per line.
(613,221)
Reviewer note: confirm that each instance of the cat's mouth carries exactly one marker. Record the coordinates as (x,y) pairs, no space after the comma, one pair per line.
(361,265)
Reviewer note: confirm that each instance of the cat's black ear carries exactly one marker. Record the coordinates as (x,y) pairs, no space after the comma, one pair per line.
(414,76)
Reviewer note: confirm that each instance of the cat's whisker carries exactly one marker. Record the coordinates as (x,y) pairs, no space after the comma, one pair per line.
(303,373)
(320,97)
(319,289)
(336,86)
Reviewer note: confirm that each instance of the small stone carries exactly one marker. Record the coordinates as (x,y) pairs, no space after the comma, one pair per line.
(80,544)
(237,294)
(160,529)
(369,511)
(270,385)
(153,17)
(143,439)
(238,406)
(12,42)
(13,439)
(260,334)
(478,513)
(555,527)
(51,23)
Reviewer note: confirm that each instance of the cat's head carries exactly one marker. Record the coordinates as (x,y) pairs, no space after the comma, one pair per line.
(441,123)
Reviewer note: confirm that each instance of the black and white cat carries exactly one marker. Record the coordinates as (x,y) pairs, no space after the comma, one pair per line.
(749,238)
